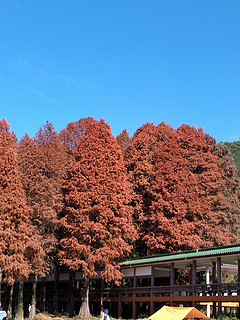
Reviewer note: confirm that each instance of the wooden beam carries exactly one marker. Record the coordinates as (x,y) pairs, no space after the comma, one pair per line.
(175,299)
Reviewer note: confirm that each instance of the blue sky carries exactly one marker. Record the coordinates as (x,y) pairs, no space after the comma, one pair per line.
(127,61)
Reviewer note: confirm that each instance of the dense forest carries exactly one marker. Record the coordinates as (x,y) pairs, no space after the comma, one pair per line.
(84,199)
(235,152)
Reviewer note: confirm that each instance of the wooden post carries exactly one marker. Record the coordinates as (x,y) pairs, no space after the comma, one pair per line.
(238,291)
(219,281)
(119,302)
(172,281)
(214,271)
(208,282)
(119,309)
(70,305)
(194,272)
(152,294)
(43,297)
(55,293)
(190,275)
(134,306)
(101,301)
(194,280)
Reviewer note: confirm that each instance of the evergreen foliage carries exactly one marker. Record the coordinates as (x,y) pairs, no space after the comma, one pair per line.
(235,151)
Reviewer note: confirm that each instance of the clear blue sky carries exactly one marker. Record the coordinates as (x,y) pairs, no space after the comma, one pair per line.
(127,61)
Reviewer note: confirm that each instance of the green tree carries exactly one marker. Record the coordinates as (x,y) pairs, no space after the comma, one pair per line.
(235,151)
(232,188)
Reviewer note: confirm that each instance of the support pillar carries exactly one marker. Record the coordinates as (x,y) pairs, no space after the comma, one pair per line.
(238,270)
(119,303)
(194,279)
(238,291)
(152,294)
(172,281)
(219,281)
(190,275)
(101,301)
(134,306)
(214,271)
(207,283)
(119,309)
(194,272)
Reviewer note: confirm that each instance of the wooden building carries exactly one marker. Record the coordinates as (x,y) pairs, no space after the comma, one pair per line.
(212,278)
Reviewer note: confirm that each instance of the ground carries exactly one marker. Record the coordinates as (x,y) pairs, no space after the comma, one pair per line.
(47,316)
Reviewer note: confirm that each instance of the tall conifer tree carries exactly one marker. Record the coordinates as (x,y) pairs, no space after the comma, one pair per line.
(124,140)
(188,205)
(19,244)
(140,158)
(42,161)
(72,134)
(98,221)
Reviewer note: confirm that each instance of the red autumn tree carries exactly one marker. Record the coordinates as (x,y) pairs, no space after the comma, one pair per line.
(124,140)
(42,161)
(19,245)
(140,158)
(74,131)
(188,205)
(97,225)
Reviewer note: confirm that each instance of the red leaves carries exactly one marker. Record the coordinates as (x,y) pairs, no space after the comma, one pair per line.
(183,195)
(98,218)
(16,231)
(179,189)
(42,161)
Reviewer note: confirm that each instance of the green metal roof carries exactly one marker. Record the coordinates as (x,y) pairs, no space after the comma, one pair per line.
(184,255)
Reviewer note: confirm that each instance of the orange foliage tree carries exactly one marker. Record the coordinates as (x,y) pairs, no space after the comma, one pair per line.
(140,158)
(124,140)
(72,134)
(20,245)
(42,161)
(188,208)
(97,225)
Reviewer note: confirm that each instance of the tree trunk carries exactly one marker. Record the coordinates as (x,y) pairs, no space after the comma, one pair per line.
(55,293)
(70,307)
(9,311)
(43,295)
(20,312)
(33,302)
(84,311)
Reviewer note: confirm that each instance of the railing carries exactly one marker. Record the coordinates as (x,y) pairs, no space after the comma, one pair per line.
(198,290)
(223,289)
